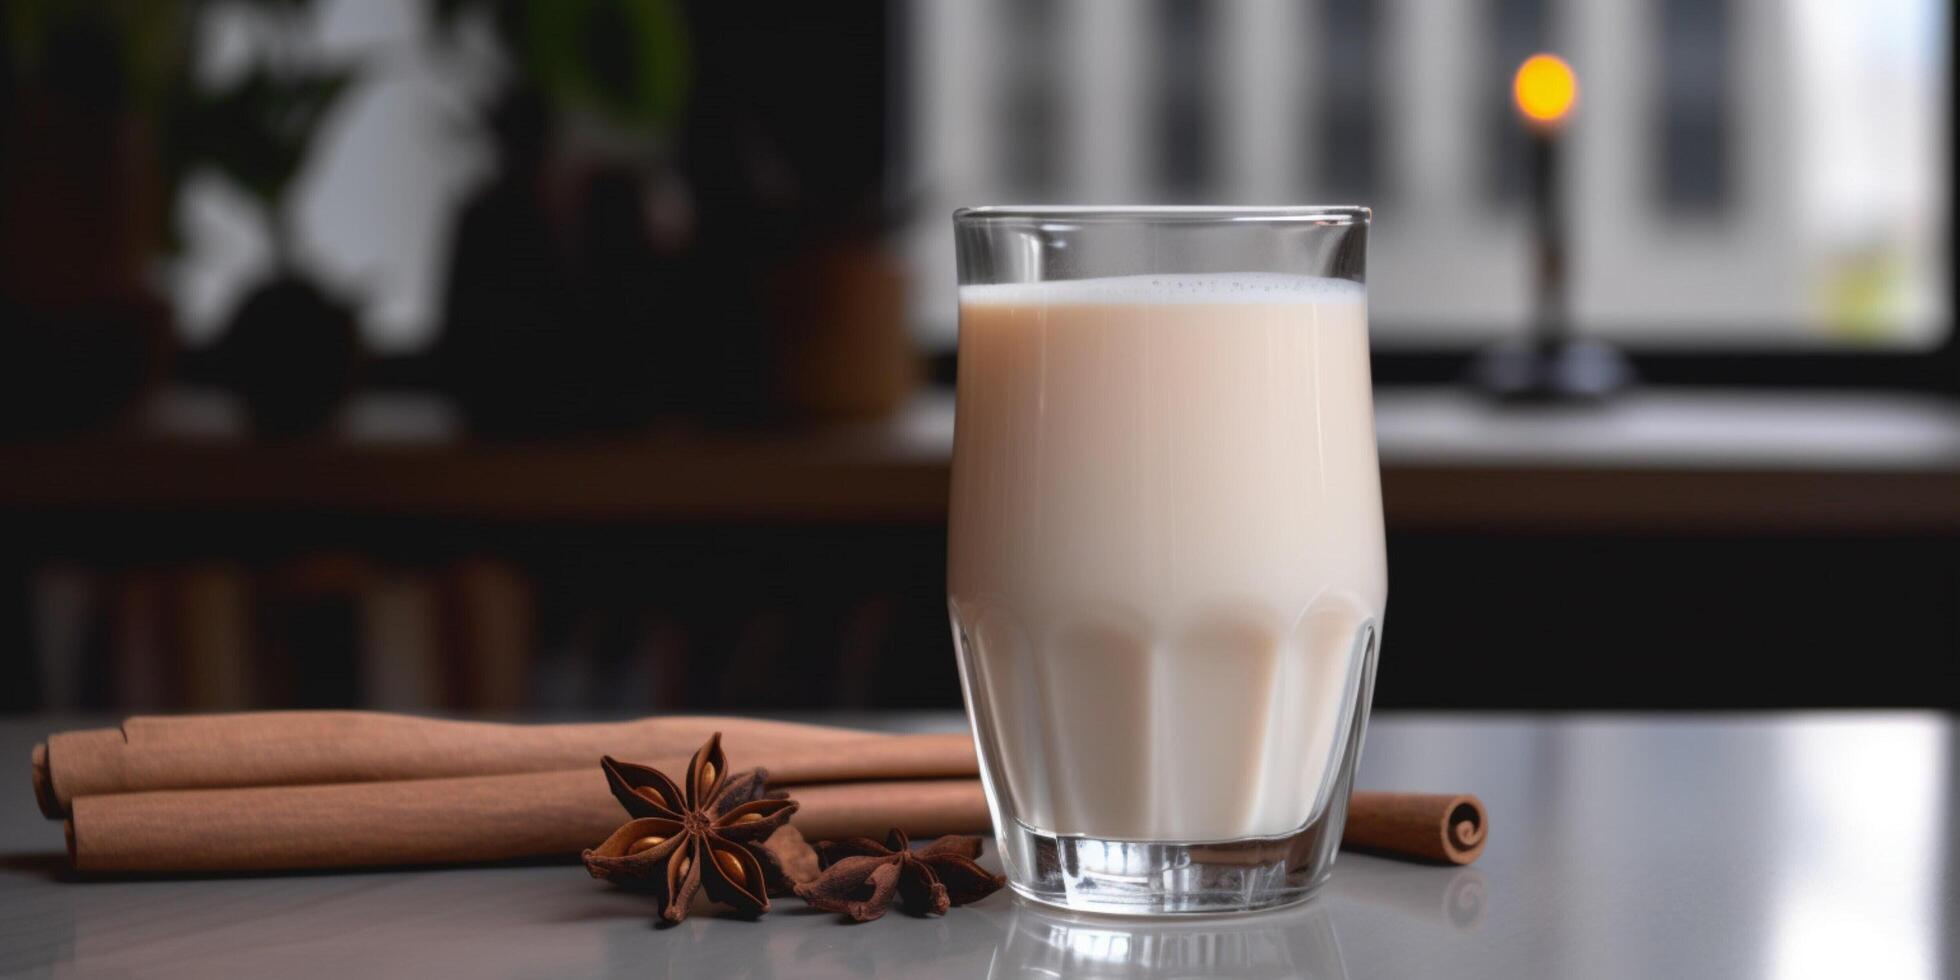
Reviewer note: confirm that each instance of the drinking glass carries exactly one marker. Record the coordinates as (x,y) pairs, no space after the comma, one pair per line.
(1166,572)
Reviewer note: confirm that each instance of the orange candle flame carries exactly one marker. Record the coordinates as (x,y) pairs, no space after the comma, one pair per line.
(1545,90)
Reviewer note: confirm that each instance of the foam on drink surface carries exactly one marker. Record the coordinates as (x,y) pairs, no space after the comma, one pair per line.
(1166,531)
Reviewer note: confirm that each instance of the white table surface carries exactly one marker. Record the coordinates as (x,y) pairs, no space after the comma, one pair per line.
(1790,845)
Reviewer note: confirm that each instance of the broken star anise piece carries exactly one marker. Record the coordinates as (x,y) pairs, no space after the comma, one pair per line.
(861,876)
(706,835)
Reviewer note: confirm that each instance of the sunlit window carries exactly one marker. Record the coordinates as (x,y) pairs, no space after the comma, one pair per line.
(1767,176)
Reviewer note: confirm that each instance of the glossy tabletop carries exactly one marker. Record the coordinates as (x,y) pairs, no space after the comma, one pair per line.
(1621,846)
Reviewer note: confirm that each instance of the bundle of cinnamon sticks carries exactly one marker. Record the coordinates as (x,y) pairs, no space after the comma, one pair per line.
(326,789)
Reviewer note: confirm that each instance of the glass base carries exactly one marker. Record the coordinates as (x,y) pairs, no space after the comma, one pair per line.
(1133,877)
(1154,878)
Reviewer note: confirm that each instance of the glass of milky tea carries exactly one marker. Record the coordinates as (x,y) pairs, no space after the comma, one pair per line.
(1166,572)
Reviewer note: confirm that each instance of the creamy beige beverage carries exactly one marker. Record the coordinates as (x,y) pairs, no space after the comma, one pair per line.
(1167,547)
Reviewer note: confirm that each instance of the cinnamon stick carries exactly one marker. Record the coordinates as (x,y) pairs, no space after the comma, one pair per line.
(443,821)
(1439,827)
(294,748)
(492,818)
(287,790)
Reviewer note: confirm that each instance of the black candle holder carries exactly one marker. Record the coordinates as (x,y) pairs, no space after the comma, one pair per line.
(1549,364)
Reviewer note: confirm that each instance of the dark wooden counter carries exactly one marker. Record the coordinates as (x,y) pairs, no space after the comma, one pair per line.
(1656,461)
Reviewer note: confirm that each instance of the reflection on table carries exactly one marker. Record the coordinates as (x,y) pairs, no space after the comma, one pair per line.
(1042,943)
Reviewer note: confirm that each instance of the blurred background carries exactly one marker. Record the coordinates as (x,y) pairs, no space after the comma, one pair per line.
(596,355)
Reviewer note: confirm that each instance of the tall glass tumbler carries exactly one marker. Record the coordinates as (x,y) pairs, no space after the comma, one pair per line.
(1166,573)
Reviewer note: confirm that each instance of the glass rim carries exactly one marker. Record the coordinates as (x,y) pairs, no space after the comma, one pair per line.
(1323,214)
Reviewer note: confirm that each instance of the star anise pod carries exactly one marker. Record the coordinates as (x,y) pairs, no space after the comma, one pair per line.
(708,834)
(861,876)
